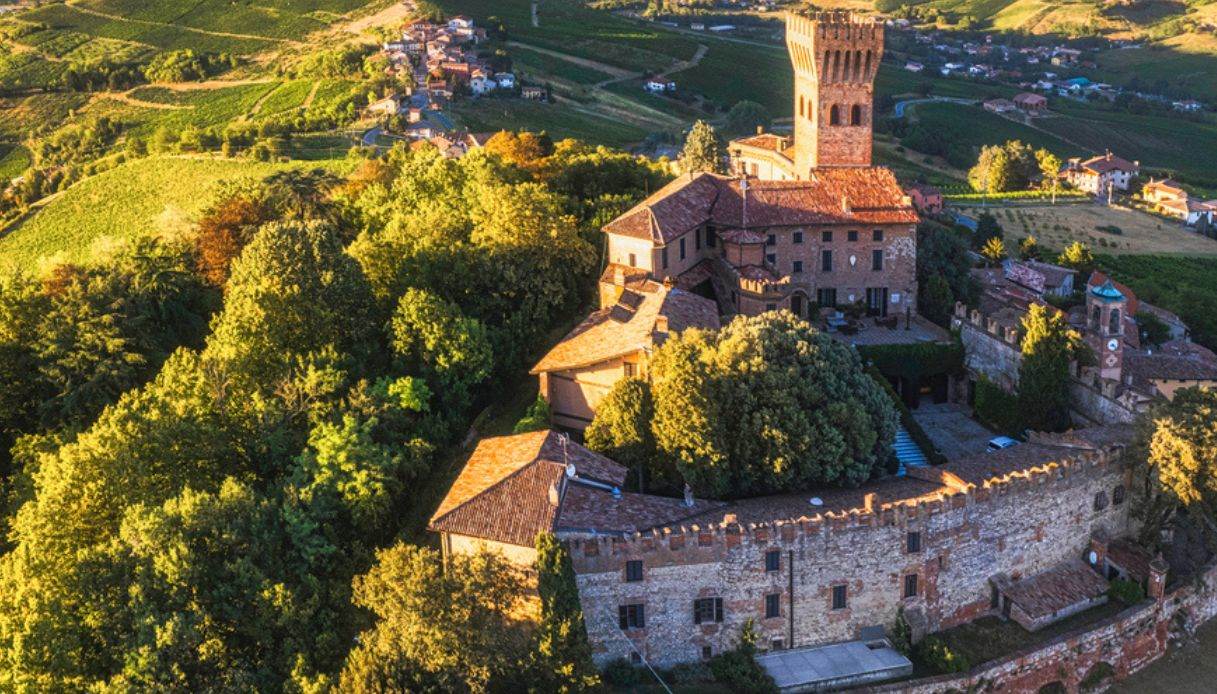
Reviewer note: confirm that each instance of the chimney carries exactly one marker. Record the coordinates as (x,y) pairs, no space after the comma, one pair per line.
(1157,578)
(760,130)
(661,324)
(688,495)
(730,519)
(555,495)
(845,204)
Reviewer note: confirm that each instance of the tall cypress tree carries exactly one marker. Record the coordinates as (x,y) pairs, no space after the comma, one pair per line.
(1043,376)
(563,655)
(702,151)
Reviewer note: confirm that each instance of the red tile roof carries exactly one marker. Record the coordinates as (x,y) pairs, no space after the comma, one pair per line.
(503,492)
(776,143)
(830,196)
(1108,162)
(629,326)
(1062,586)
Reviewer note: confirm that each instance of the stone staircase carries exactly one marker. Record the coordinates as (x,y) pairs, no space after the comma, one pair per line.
(907,451)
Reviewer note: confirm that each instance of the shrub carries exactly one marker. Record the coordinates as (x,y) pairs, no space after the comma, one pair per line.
(939,657)
(535,418)
(620,673)
(1127,592)
(738,670)
(1097,675)
(690,673)
(996,408)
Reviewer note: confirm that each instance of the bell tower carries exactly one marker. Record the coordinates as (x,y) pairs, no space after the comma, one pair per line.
(1105,311)
(835,57)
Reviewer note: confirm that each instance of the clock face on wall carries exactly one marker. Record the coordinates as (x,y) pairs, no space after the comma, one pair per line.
(1113,344)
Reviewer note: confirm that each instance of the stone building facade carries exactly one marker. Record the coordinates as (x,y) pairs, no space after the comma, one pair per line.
(931,546)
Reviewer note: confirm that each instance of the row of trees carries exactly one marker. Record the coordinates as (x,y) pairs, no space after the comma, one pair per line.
(217,440)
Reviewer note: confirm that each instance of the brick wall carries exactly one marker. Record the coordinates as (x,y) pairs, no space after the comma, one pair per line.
(1019,527)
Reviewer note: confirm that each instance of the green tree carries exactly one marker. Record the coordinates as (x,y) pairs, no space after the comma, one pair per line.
(703,151)
(1043,375)
(1179,441)
(1050,171)
(1077,256)
(1029,249)
(745,117)
(435,341)
(621,430)
(1002,168)
(767,404)
(994,251)
(454,629)
(938,304)
(943,252)
(536,418)
(563,657)
(986,228)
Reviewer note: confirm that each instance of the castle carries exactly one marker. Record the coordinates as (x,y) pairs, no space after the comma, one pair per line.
(803,223)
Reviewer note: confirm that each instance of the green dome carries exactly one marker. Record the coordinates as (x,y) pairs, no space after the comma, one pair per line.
(1107,292)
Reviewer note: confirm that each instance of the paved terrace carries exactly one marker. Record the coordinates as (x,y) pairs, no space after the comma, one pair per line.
(918,330)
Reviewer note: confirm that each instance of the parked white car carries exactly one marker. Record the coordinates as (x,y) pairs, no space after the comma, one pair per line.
(998,443)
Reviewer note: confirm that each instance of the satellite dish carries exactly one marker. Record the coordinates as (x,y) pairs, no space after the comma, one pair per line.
(570,470)
(1093,557)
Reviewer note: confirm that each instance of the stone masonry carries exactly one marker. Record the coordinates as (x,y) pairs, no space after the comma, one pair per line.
(1018,525)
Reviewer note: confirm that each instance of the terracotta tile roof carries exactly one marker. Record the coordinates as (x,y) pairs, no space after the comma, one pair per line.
(1062,586)
(982,467)
(629,326)
(1145,368)
(1131,557)
(503,492)
(1166,185)
(832,196)
(586,508)
(1054,275)
(770,141)
(766,509)
(1108,162)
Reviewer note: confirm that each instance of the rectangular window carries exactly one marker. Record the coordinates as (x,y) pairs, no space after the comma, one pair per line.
(697,240)
(633,568)
(771,307)
(798,266)
(707,652)
(798,237)
(876,260)
(826,236)
(877,235)
(633,260)
(826,261)
(711,238)
(912,542)
(771,240)
(707,610)
(839,598)
(629,368)
(852,236)
(777,644)
(631,617)
(773,560)
(826,297)
(773,605)
(910,586)
(682,249)
(663,255)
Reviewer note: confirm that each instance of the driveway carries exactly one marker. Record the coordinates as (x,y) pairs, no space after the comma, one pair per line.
(953,432)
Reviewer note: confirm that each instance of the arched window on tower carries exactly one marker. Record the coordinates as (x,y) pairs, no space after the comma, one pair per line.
(857,66)
(1095,318)
(834,115)
(1113,327)
(855,115)
(800,105)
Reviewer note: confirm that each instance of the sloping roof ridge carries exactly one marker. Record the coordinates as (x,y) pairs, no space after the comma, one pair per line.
(501,481)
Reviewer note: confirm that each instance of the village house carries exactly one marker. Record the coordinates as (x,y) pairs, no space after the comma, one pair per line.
(392,105)
(659,86)
(1000,106)
(1031,103)
(1098,175)
(533,92)
(927,199)
(1168,198)
(615,342)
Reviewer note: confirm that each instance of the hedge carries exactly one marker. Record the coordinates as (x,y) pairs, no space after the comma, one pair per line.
(1019,195)
(917,361)
(932,454)
(997,409)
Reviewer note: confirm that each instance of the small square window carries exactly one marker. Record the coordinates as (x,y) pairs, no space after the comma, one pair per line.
(797,237)
(707,610)
(771,240)
(777,645)
(707,652)
(631,616)
(877,234)
(771,307)
(773,605)
(912,543)
(839,597)
(826,236)
(773,560)
(633,570)
(852,236)
(798,266)
(910,586)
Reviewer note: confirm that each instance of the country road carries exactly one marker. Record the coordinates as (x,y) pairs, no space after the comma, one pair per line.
(901,105)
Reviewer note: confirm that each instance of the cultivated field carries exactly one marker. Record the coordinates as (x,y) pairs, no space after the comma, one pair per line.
(145,196)
(1106,230)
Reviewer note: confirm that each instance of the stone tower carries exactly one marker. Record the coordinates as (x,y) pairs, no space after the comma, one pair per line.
(1105,311)
(835,57)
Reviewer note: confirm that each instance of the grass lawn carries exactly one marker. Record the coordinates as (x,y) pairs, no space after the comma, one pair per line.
(1186,62)
(1106,230)
(540,66)
(976,127)
(989,638)
(134,199)
(13,160)
(560,120)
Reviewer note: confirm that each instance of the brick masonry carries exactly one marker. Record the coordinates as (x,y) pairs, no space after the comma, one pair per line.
(1019,526)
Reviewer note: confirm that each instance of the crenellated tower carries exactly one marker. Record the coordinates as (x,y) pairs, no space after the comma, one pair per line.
(835,57)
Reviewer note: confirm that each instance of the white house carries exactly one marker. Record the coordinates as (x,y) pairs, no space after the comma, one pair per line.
(459,23)
(480,83)
(505,80)
(913,66)
(657,86)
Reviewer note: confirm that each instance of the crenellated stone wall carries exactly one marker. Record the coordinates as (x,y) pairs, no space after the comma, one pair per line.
(1019,524)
